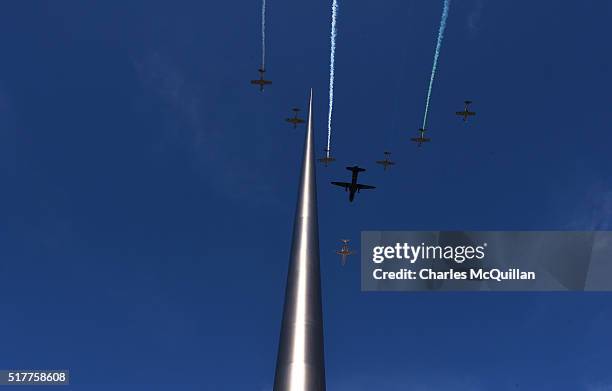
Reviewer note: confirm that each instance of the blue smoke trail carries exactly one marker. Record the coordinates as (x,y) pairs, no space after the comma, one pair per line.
(436,55)
(263,35)
(332,59)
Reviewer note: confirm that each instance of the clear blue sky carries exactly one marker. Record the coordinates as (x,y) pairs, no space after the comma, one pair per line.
(148,189)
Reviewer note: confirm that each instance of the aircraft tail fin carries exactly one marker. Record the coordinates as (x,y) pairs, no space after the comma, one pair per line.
(355,169)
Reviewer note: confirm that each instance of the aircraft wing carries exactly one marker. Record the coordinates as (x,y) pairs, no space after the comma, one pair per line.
(365,187)
(255,82)
(342,184)
(266,82)
(460,113)
(471,113)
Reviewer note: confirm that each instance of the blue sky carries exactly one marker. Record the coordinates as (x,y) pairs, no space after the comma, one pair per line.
(149,190)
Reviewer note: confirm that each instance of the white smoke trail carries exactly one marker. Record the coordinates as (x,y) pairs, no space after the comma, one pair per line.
(263,34)
(436,55)
(332,58)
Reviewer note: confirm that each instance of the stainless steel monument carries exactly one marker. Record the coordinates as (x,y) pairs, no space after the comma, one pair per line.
(300,363)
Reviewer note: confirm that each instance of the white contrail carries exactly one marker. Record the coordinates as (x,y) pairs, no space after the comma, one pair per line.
(436,55)
(332,58)
(263,34)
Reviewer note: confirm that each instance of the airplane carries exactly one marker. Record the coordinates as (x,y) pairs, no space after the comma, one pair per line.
(261,82)
(386,162)
(421,139)
(295,120)
(326,159)
(466,113)
(345,251)
(353,187)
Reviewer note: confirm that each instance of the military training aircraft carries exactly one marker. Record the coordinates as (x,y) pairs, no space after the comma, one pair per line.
(261,82)
(353,187)
(295,120)
(466,113)
(326,159)
(421,139)
(386,162)
(344,251)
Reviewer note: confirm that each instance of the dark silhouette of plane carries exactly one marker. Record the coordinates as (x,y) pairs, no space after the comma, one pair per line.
(344,251)
(353,187)
(421,139)
(386,162)
(295,120)
(466,112)
(326,159)
(261,82)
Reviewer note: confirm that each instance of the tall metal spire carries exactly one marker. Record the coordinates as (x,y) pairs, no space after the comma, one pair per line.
(300,364)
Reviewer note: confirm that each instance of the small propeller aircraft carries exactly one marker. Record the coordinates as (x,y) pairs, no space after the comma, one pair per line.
(353,186)
(295,120)
(421,139)
(386,162)
(344,252)
(261,81)
(327,158)
(466,112)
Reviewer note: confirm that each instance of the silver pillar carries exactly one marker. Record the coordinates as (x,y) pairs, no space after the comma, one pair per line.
(300,365)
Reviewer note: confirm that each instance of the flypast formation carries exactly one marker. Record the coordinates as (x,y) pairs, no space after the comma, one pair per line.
(353,187)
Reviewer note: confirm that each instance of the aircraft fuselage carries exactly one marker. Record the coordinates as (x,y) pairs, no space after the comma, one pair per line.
(353,188)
